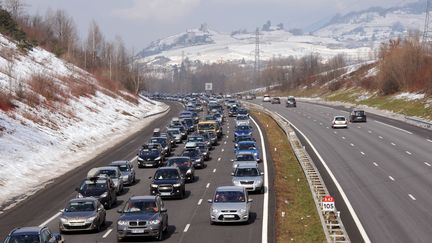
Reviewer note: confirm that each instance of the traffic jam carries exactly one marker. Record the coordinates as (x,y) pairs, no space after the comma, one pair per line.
(176,152)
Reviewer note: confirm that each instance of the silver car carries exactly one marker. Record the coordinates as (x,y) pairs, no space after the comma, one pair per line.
(82,214)
(242,120)
(249,177)
(127,171)
(113,173)
(244,158)
(230,204)
(339,122)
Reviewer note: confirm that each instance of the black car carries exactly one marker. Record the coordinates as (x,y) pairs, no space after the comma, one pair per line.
(275,100)
(211,138)
(168,182)
(163,141)
(291,102)
(142,216)
(233,111)
(243,111)
(357,116)
(101,188)
(185,165)
(189,123)
(196,156)
(150,156)
(33,234)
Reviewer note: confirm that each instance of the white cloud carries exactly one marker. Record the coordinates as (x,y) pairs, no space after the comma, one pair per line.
(160,10)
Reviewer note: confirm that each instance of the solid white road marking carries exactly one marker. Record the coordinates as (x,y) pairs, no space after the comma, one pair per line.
(50,219)
(397,128)
(186,228)
(200,201)
(107,233)
(391,178)
(393,144)
(214,170)
(134,159)
(208,185)
(412,197)
(426,163)
(338,186)
(265,216)
(375,164)
(408,152)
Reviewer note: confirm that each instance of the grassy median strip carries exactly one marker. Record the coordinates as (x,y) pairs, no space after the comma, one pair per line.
(296,216)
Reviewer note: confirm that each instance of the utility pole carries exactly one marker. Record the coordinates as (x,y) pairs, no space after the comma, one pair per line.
(427,33)
(257,56)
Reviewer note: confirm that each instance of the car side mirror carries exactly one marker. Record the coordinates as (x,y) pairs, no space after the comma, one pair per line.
(250,200)
(209,200)
(163,210)
(232,173)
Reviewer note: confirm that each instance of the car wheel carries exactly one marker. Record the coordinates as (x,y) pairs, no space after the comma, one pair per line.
(262,190)
(211,222)
(98,227)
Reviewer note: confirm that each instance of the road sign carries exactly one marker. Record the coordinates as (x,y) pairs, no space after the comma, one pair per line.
(208,86)
(328,204)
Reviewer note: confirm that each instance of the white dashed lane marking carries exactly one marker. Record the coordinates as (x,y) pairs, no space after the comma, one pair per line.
(200,201)
(369,131)
(391,178)
(186,228)
(408,152)
(107,233)
(343,138)
(430,141)
(362,152)
(208,185)
(393,144)
(380,137)
(374,163)
(412,197)
(351,144)
(214,170)
(219,159)
(426,163)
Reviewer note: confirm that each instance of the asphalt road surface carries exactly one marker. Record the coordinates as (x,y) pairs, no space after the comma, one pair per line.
(384,167)
(188,218)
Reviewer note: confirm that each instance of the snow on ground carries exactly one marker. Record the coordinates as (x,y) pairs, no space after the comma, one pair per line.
(409,96)
(38,144)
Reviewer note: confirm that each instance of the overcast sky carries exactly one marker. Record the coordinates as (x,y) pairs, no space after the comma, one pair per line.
(139,22)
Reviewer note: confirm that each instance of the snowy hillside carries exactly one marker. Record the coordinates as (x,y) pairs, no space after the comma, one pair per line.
(355,34)
(227,47)
(41,136)
(375,25)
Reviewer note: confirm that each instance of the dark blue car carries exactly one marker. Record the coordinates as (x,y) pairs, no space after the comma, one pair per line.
(243,130)
(248,146)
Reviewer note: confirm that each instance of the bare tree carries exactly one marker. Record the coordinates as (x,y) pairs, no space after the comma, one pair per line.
(15,7)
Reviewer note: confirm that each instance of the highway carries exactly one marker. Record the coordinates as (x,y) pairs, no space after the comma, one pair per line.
(383,166)
(188,218)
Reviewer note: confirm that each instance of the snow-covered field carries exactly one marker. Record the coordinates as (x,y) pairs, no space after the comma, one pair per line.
(39,143)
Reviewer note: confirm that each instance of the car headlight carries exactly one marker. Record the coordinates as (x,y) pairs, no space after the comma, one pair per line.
(140,159)
(158,158)
(198,160)
(154,186)
(189,171)
(242,211)
(125,177)
(215,211)
(177,185)
(236,182)
(122,223)
(91,219)
(80,195)
(64,220)
(154,221)
(256,154)
(258,182)
(105,194)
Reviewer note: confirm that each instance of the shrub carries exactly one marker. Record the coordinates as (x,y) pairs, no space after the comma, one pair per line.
(6,101)
(48,88)
(79,88)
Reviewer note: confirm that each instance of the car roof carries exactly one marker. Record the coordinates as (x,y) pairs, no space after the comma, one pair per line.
(167,168)
(120,162)
(339,116)
(248,165)
(230,188)
(107,168)
(247,141)
(90,199)
(178,157)
(23,230)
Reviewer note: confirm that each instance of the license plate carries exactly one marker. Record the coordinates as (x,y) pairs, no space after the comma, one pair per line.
(148,165)
(229,216)
(77,224)
(165,193)
(137,231)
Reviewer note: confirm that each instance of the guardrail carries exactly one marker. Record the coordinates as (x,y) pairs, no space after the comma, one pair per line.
(420,122)
(332,224)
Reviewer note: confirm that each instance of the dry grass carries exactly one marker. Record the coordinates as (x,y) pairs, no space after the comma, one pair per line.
(78,88)
(301,221)
(6,101)
(48,88)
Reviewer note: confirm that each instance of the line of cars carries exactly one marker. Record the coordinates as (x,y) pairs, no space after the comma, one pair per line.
(232,203)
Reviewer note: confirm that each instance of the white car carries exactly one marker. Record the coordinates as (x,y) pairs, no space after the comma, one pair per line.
(242,120)
(266,98)
(339,122)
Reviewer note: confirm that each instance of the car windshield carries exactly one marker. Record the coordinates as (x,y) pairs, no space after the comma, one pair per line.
(110,173)
(243,128)
(84,206)
(242,118)
(359,113)
(24,238)
(245,157)
(246,146)
(90,185)
(206,126)
(166,174)
(229,196)
(174,131)
(195,139)
(291,99)
(123,168)
(180,162)
(140,206)
(339,118)
(245,172)
(190,153)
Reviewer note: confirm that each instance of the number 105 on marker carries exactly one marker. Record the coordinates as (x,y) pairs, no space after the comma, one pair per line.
(328,203)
